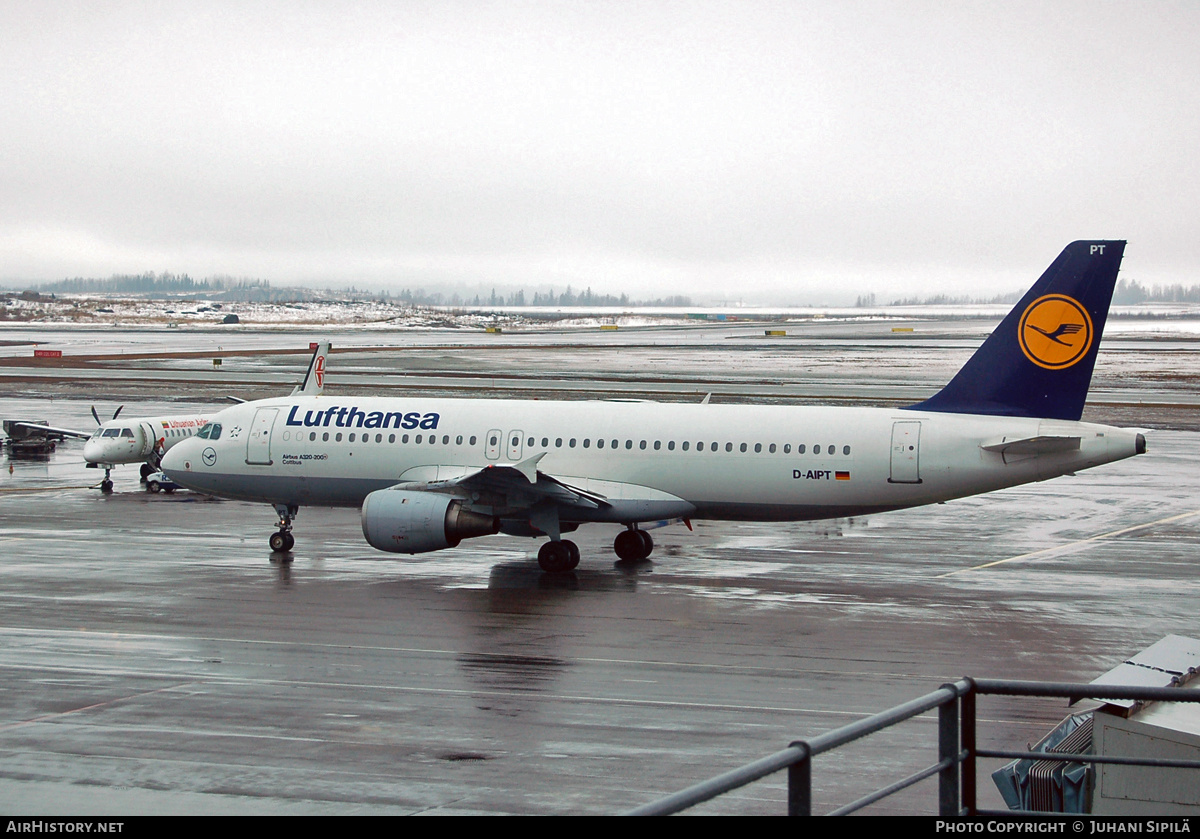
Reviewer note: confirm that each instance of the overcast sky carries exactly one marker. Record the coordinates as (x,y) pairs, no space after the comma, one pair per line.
(806,150)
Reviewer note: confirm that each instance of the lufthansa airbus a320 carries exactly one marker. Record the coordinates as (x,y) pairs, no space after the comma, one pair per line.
(428,473)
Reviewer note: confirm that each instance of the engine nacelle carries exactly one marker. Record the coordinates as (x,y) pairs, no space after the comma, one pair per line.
(404,522)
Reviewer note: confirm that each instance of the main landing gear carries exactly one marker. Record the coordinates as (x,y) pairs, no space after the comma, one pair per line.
(632,545)
(559,556)
(283,541)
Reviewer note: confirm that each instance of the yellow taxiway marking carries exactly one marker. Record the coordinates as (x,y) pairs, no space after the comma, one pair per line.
(1044,551)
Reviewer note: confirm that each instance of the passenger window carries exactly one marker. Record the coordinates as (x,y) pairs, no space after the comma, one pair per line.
(572,443)
(742,447)
(391,438)
(757,448)
(417,439)
(472,439)
(729,447)
(599,444)
(642,445)
(832,449)
(845,450)
(671,446)
(337,438)
(657,445)
(772,449)
(787,448)
(685,445)
(586,442)
(458,440)
(312,435)
(445,439)
(629,444)
(325,437)
(558,442)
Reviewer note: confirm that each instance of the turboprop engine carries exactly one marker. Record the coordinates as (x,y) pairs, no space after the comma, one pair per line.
(401,521)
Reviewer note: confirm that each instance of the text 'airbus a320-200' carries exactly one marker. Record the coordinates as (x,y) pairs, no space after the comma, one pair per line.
(428,473)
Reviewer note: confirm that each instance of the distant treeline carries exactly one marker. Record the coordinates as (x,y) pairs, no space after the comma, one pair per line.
(1126,293)
(865,301)
(1132,291)
(251,290)
(174,285)
(548,299)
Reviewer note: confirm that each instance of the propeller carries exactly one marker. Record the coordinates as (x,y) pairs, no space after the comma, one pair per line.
(97,416)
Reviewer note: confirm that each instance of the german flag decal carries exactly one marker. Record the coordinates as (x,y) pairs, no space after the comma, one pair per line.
(841,476)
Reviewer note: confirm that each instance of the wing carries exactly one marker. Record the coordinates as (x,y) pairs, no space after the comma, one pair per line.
(50,429)
(522,494)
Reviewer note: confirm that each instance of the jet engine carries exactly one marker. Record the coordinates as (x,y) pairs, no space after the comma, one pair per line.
(407,522)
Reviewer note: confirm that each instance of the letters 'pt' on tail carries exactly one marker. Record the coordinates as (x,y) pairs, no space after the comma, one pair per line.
(1038,362)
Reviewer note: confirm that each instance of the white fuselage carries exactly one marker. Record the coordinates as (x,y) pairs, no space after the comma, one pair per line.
(137,439)
(770,463)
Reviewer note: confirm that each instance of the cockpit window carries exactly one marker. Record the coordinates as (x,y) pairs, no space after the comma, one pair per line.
(112,432)
(126,432)
(211,431)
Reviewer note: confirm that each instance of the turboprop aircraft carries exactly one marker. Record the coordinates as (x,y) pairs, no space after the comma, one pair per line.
(428,473)
(145,440)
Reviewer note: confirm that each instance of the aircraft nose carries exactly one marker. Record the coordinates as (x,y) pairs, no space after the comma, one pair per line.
(176,458)
(93,451)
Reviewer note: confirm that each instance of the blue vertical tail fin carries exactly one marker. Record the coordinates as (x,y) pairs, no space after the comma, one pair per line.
(1038,362)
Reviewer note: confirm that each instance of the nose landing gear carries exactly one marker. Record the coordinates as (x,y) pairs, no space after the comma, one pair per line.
(283,541)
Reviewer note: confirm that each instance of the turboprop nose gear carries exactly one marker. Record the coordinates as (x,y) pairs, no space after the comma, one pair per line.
(283,541)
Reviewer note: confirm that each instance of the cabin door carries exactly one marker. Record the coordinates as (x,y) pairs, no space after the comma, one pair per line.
(906,453)
(258,443)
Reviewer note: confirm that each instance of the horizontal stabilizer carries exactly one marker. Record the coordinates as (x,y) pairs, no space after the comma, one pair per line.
(1042,444)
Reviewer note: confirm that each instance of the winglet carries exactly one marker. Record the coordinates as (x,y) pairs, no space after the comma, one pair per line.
(313,383)
(1038,362)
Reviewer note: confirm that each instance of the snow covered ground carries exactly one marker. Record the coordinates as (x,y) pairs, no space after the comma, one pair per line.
(96,310)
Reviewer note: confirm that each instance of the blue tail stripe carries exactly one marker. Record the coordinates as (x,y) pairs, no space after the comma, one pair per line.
(1039,361)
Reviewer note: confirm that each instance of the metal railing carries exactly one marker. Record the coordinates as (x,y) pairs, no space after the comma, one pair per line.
(957,750)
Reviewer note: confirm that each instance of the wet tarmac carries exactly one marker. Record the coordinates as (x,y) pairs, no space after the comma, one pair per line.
(155,657)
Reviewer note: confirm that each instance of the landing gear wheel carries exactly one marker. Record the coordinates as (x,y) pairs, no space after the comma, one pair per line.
(153,486)
(631,545)
(558,557)
(647,543)
(282,541)
(106,485)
